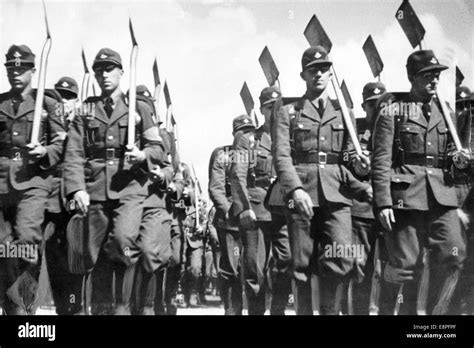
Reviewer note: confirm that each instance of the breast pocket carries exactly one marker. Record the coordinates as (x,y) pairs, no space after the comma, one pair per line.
(337,136)
(411,137)
(123,130)
(304,137)
(264,163)
(92,132)
(442,139)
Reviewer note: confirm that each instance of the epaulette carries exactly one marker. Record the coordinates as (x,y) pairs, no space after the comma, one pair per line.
(335,103)
(4,96)
(92,99)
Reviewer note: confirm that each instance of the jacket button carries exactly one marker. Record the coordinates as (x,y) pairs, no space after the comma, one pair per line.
(300,126)
(110,137)
(397,180)
(323,138)
(110,163)
(430,172)
(428,143)
(15,133)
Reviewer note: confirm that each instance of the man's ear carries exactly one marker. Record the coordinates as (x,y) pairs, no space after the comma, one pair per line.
(302,75)
(411,78)
(121,72)
(33,70)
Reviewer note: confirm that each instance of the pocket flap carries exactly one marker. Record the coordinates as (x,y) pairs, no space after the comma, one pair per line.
(409,128)
(123,122)
(405,178)
(442,129)
(303,126)
(337,126)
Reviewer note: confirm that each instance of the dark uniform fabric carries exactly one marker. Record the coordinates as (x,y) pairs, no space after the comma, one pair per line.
(66,287)
(95,163)
(250,182)
(409,174)
(309,149)
(24,183)
(229,235)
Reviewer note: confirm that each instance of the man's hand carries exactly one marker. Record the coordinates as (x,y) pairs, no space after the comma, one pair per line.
(386,218)
(362,165)
(138,118)
(135,155)
(157,174)
(303,203)
(172,187)
(248,219)
(81,201)
(369,194)
(397,275)
(37,151)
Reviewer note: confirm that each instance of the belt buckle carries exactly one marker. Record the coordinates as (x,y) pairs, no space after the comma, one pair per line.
(110,154)
(430,161)
(322,157)
(17,156)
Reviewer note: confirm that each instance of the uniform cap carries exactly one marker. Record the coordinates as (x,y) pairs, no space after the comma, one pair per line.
(269,95)
(422,61)
(462,93)
(107,56)
(20,55)
(315,55)
(373,90)
(242,122)
(67,84)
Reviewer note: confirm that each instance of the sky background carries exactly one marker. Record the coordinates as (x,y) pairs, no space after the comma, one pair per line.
(207,49)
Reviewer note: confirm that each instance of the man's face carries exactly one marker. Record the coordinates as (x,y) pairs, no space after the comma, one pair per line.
(369,108)
(19,77)
(317,78)
(425,84)
(108,77)
(266,111)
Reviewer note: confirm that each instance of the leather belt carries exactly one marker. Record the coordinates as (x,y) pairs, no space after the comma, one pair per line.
(319,157)
(107,154)
(423,160)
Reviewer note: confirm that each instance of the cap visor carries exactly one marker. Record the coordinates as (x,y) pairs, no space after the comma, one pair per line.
(106,62)
(317,62)
(439,67)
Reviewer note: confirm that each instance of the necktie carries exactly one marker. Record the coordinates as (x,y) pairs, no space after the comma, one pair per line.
(108,106)
(16,101)
(426,108)
(321,106)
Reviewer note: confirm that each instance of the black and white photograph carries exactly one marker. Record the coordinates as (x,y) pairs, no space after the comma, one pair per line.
(248,158)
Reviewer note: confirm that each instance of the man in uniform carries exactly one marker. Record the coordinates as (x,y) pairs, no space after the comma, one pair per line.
(155,228)
(414,192)
(262,231)
(25,176)
(229,236)
(463,299)
(66,287)
(180,197)
(310,148)
(109,182)
(363,220)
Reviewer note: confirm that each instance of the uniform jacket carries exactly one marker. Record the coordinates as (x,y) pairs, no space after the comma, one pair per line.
(220,186)
(299,130)
(15,133)
(398,184)
(108,175)
(359,208)
(251,178)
